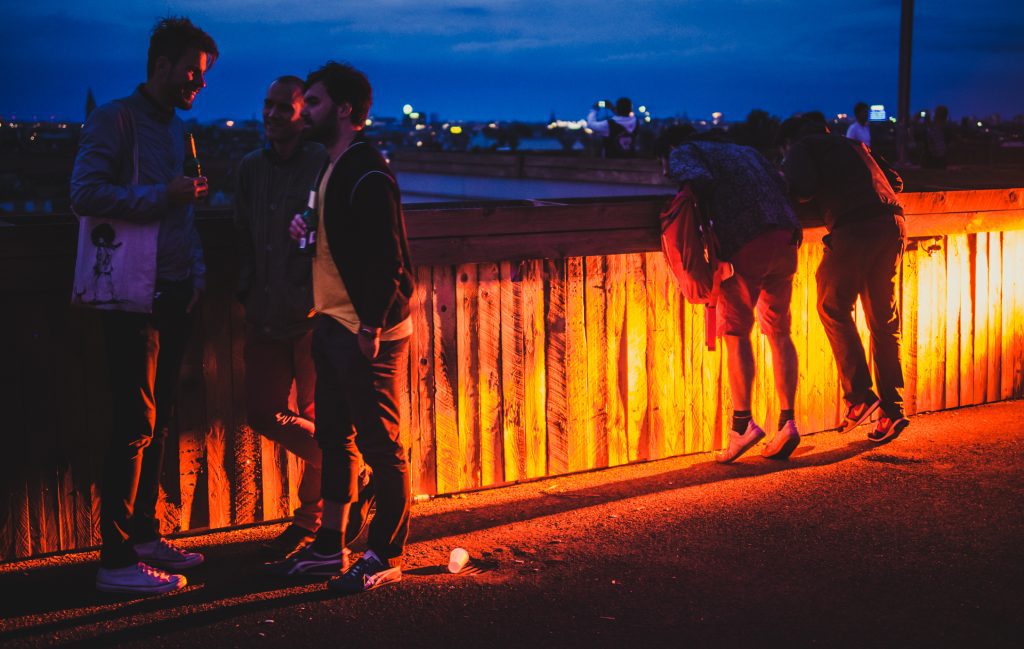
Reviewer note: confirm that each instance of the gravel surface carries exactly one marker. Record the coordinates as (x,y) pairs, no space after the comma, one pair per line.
(915,543)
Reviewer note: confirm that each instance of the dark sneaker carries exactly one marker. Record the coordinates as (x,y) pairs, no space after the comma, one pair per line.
(888,429)
(139,579)
(291,539)
(307,561)
(783,443)
(366,574)
(740,444)
(164,554)
(858,413)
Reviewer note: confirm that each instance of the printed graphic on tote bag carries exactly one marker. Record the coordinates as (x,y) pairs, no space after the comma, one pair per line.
(105,239)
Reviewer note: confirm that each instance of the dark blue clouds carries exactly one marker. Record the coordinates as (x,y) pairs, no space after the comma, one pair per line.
(516,58)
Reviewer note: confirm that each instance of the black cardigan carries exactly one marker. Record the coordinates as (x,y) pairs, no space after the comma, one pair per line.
(366,233)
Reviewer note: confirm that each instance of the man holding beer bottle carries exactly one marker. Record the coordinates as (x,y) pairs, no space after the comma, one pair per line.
(362,284)
(145,350)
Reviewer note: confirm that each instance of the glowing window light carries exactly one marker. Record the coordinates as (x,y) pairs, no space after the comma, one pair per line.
(414,115)
(420,127)
(456,130)
(230,123)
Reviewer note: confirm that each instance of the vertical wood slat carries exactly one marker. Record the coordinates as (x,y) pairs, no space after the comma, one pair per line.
(446,381)
(995,322)
(489,381)
(580,404)
(595,301)
(635,338)
(468,343)
(1012,270)
(534,368)
(661,370)
(513,371)
(981,318)
(421,363)
(556,353)
(958,331)
(908,314)
(615,348)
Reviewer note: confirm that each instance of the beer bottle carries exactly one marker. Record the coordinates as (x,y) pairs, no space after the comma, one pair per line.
(307,243)
(192,168)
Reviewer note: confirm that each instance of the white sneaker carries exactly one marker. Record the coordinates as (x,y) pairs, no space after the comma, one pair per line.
(138,578)
(163,554)
(782,445)
(740,444)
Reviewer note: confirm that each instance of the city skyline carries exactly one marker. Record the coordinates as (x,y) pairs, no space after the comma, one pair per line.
(509,59)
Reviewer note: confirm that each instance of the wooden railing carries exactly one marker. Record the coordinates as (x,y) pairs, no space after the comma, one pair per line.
(549,338)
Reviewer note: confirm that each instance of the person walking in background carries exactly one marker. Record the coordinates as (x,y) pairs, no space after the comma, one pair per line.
(145,350)
(758,234)
(362,284)
(619,132)
(848,189)
(860,130)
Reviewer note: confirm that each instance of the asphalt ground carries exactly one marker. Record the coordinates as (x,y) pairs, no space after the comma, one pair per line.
(917,543)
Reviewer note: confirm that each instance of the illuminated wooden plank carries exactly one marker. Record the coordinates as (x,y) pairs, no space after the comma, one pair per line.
(467,342)
(446,380)
(959,377)
(660,372)
(557,403)
(512,371)
(635,335)
(1012,270)
(489,380)
(272,465)
(421,358)
(534,370)
(800,313)
(995,314)
(615,321)
(594,295)
(981,318)
(218,483)
(1016,272)
(580,404)
(695,389)
(908,312)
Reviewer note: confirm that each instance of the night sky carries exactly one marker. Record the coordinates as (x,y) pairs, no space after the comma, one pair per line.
(524,59)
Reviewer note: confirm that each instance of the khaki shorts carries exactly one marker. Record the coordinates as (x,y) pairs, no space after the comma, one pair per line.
(763,283)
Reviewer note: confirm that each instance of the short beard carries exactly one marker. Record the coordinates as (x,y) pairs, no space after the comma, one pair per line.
(325,132)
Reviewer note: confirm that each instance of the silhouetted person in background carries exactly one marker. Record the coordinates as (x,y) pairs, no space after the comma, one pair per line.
(145,350)
(848,191)
(860,130)
(619,131)
(936,140)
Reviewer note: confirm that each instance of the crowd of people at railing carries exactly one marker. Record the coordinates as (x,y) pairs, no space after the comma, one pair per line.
(326,281)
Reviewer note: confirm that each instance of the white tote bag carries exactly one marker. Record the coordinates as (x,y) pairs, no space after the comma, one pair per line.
(116,264)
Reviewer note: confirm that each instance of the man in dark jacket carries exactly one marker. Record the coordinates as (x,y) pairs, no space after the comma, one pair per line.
(838,182)
(758,234)
(145,350)
(362,284)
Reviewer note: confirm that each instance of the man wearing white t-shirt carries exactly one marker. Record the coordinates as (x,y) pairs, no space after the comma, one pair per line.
(859,130)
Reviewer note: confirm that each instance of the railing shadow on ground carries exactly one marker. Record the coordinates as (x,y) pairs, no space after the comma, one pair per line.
(223,588)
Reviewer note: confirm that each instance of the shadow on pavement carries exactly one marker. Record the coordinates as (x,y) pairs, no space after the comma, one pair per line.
(232,582)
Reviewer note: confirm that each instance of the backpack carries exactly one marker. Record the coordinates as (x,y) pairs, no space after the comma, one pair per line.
(691,248)
(620,143)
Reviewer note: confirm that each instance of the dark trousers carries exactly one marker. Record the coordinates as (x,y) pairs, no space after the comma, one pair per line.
(272,368)
(144,355)
(357,412)
(863,260)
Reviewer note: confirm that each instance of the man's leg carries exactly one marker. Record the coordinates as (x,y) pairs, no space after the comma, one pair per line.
(270,366)
(840,278)
(173,327)
(132,346)
(882,310)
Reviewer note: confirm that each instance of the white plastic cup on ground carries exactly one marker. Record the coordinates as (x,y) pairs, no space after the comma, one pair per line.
(457,560)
